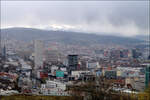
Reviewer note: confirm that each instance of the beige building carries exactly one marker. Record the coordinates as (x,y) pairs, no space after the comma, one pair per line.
(38,55)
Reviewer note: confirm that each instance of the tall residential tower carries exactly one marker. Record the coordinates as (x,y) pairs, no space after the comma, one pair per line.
(38,57)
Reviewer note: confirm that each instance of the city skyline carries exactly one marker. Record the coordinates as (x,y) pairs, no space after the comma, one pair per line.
(74,50)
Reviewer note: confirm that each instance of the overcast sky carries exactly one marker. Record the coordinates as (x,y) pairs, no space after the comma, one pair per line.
(110,17)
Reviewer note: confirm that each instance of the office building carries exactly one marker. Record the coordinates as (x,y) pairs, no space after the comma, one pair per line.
(147,75)
(38,57)
(0,45)
(72,62)
(4,52)
(136,53)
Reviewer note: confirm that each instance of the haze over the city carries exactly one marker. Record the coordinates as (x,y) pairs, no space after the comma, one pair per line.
(119,18)
(74,50)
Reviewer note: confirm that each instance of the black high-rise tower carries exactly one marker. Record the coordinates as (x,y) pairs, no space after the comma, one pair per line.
(72,62)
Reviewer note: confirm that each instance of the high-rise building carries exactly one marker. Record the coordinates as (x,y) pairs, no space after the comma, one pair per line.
(149,57)
(136,53)
(38,57)
(4,52)
(147,75)
(0,44)
(72,62)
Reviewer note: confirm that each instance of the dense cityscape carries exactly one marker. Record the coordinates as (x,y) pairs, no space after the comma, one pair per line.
(78,50)
(47,70)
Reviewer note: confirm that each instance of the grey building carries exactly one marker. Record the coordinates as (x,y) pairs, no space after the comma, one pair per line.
(72,62)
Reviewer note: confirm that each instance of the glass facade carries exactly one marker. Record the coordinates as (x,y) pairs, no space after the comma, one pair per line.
(147,75)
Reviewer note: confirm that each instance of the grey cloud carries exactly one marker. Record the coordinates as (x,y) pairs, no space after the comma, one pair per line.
(138,14)
(88,14)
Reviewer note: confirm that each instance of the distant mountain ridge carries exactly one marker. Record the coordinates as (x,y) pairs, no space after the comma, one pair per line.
(28,34)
